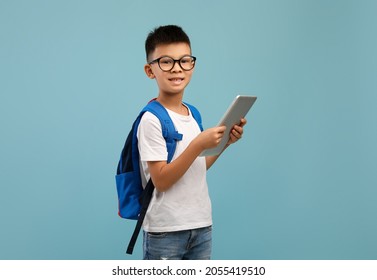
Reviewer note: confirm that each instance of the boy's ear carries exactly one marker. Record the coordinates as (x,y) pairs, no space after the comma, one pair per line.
(148,71)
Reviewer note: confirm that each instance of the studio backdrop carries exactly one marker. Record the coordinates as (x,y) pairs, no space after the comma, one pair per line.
(302,182)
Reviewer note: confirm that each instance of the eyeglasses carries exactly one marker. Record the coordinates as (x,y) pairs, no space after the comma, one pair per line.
(166,63)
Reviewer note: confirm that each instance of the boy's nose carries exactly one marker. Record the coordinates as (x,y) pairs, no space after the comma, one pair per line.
(176,67)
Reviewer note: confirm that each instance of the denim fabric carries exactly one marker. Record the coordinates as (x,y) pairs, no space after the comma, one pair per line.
(195,244)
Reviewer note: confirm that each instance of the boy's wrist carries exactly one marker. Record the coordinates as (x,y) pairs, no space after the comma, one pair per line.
(196,146)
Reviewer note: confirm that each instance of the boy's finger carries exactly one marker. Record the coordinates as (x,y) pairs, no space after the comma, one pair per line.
(237,133)
(222,128)
(242,122)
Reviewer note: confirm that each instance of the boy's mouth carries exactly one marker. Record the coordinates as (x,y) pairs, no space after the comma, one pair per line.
(176,80)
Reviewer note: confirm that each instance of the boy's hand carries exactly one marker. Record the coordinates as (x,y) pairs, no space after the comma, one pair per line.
(236,132)
(210,137)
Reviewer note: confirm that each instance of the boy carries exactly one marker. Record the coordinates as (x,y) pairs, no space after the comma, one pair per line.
(178,222)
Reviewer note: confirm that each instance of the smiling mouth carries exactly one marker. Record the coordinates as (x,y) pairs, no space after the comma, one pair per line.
(176,79)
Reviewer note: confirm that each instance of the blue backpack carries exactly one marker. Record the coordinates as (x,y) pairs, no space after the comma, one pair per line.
(133,199)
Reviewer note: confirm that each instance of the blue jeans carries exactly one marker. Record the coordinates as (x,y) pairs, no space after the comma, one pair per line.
(195,244)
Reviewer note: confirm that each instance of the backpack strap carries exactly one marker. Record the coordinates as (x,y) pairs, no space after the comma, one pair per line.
(169,132)
(146,199)
(195,113)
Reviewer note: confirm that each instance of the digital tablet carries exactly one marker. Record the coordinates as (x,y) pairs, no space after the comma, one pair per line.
(236,111)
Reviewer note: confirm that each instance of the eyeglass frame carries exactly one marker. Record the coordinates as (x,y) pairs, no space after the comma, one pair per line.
(174,61)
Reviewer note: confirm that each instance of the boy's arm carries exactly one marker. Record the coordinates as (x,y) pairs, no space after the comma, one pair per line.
(164,175)
(234,136)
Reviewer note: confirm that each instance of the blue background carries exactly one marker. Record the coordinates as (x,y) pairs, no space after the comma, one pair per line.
(302,183)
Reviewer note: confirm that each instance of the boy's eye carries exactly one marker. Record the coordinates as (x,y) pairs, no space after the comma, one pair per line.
(186,60)
(166,61)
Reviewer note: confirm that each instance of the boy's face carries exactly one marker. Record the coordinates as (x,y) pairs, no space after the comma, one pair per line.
(174,81)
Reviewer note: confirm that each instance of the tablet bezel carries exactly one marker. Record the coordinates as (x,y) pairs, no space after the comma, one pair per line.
(235,112)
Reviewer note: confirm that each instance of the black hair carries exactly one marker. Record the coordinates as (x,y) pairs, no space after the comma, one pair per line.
(167,34)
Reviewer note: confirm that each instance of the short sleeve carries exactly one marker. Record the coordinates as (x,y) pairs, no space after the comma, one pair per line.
(151,143)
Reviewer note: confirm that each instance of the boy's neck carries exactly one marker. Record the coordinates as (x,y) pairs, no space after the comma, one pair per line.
(173,103)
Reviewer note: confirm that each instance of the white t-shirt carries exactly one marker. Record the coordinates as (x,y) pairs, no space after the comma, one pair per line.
(186,205)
